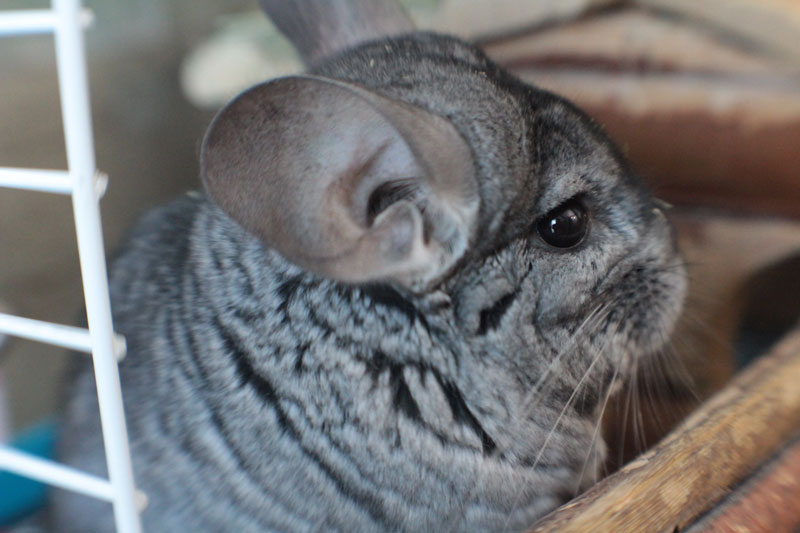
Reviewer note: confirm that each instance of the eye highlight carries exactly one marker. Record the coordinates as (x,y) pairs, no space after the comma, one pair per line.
(565,226)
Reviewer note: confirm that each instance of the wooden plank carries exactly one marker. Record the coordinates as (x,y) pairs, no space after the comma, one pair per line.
(743,158)
(769,501)
(698,142)
(629,40)
(708,123)
(698,463)
(771,24)
(479,19)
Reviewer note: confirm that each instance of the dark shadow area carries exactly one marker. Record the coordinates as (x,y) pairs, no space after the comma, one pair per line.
(771,309)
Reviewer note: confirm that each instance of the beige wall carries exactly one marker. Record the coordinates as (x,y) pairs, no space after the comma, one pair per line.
(146,140)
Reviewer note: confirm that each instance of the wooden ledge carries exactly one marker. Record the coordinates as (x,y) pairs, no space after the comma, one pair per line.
(700,462)
(768,501)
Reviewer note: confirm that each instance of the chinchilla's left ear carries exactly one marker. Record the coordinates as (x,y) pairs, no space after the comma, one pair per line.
(344,182)
(321,28)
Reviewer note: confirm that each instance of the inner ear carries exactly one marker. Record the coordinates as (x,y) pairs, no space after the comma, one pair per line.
(341,181)
(388,193)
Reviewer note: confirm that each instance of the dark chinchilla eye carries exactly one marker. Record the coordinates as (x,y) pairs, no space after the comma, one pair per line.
(565,226)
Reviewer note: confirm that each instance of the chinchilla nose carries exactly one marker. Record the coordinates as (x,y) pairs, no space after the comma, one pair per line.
(662,205)
(661,229)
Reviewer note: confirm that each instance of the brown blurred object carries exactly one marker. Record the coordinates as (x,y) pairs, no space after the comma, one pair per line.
(725,253)
(711,120)
(704,99)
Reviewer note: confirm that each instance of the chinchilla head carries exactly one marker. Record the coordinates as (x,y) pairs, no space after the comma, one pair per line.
(413,160)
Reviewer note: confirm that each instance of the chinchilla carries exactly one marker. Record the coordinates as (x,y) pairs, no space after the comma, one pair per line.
(407,289)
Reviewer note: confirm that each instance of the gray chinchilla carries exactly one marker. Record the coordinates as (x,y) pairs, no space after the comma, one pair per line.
(408,288)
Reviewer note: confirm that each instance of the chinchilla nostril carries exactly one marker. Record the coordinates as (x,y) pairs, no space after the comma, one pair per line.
(659,215)
(662,205)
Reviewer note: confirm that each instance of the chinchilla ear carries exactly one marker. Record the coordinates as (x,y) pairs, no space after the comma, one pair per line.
(320,28)
(343,182)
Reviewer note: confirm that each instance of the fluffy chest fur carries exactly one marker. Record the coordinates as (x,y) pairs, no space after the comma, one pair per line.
(259,399)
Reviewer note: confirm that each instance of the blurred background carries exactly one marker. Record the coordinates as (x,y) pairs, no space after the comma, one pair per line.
(146,136)
(704,97)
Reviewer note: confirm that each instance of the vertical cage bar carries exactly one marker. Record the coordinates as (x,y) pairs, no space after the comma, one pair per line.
(73,87)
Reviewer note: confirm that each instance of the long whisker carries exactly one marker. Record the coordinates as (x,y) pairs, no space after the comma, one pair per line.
(683,373)
(552,431)
(651,397)
(598,314)
(597,429)
(639,437)
(625,412)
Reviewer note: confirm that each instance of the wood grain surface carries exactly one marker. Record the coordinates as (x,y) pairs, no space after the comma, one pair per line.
(768,502)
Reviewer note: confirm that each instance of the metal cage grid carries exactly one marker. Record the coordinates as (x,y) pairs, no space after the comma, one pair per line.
(66,21)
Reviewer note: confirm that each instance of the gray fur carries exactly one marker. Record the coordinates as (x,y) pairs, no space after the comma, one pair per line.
(260,396)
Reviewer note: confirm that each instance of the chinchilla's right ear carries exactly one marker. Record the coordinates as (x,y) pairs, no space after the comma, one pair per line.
(320,28)
(344,182)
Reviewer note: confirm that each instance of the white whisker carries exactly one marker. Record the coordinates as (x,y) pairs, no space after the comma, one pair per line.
(567,405)
(597,430)
(595,316)
(624,418)
(638,421)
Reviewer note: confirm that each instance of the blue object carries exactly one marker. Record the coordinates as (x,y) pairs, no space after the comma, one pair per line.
(20,496)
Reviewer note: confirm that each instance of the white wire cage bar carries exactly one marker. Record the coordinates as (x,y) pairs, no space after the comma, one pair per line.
(68,337)
(32,21)
(56,474)
(34,179)
(66,20)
